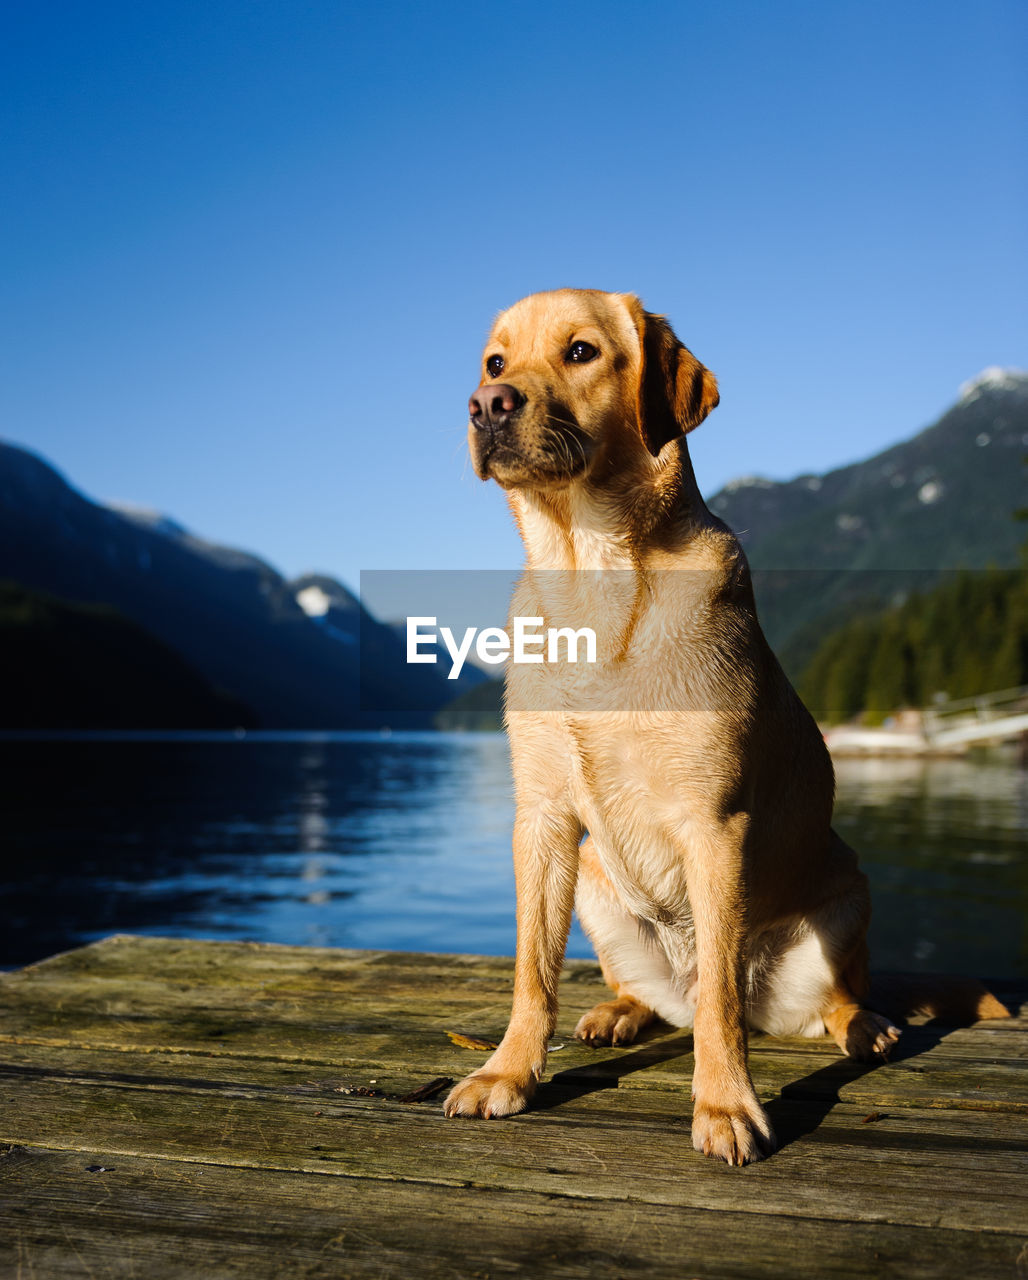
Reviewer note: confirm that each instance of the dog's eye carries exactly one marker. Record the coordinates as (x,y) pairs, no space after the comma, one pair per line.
(581,352)
(494,366)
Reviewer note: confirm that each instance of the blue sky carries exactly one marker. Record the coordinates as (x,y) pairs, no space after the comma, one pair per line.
(250,250)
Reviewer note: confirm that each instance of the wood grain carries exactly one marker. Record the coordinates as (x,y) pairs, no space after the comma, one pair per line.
(174,1107)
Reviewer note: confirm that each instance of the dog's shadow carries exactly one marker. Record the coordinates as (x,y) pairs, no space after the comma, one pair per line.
(800,1108)
(804,1104)
(653,1046)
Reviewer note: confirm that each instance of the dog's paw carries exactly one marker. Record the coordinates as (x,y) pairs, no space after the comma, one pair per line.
(616,1022)
(490,1094)
(870,1037)
(738,1135)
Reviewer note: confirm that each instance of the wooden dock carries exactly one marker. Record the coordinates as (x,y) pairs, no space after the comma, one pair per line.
(179,1108)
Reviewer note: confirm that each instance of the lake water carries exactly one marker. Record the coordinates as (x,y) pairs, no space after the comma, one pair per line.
(404,842)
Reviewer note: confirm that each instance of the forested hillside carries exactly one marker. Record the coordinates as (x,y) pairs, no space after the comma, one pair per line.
(87,666)
(967,636)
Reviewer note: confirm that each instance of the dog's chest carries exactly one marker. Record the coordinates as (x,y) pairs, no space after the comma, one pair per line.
(642,824)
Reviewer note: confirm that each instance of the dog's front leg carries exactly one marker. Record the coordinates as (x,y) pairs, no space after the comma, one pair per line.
(728,1121)
(545,867)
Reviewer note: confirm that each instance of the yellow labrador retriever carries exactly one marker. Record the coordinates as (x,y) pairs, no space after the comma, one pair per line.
(711,883)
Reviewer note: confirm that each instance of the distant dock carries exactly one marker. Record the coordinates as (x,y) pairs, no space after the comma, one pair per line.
(182,1108)
(947,729)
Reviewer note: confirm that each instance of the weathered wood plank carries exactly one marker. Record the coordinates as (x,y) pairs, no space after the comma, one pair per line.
(195,987)
(386,1004)
(982,1139)
(603,1095)
(928,1079)
(265,967)
(250,963)
(158,1217)
(323,1031)
(895,1178)
(207,1076)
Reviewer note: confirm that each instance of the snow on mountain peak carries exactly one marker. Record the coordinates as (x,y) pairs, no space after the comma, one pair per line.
(748,482)
(314,601)
(994,378)
(147,517)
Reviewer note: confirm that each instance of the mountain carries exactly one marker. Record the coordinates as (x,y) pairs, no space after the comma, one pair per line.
(301,654)
(86,666)
(306,654)
(865,535)
(942,499)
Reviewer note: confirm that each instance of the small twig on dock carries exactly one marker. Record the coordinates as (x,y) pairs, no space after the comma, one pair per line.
(428,1090)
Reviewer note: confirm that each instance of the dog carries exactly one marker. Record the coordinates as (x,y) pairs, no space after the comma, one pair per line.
(711,883)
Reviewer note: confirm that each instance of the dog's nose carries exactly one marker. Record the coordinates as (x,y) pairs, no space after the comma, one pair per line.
(493,406)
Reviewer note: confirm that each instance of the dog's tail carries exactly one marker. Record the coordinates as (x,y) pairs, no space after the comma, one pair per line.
(953,1001)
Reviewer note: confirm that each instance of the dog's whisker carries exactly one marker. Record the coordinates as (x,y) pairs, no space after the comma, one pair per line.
(564,440)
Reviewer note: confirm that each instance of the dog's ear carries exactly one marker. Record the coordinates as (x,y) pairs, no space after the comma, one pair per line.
(676,392)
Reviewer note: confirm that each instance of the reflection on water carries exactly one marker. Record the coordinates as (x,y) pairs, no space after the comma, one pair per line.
(336,840)
(404,842)
(943,842)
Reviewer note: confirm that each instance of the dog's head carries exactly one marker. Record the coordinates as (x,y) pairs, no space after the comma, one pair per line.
(576,380)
